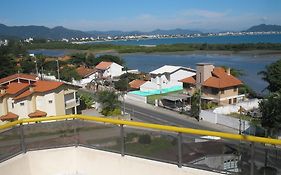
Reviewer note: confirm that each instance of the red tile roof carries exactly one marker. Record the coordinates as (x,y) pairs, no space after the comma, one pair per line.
(189,80)
(16,76)
(135,84)
(40,86)
(84,72)
(14,88)
(37,113)
(220,79)
(103,65)
(9,117)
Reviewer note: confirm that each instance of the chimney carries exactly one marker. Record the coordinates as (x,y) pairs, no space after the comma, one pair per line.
(228,71)
(203,72)
(31,87)
(3,89)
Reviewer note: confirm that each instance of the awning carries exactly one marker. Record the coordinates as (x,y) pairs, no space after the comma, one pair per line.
(9,117)
(37,113)
(176,97)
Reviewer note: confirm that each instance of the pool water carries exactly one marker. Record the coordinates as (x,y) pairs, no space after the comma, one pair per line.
(155,92)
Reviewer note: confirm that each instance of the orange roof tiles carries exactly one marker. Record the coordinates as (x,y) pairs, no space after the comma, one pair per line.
(37,113)
(40,86)
(220,79)
(14,88)
(135,84)
(103,65)
(84,72)
(189,80)
(44,86)
(16,76)
(9,117)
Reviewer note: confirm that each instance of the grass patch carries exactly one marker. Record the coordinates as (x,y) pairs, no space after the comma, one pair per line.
(151,99)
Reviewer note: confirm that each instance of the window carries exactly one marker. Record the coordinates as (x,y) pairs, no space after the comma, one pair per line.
(50,101)
(13,105)
(235,89)
(222,91)
(22,104)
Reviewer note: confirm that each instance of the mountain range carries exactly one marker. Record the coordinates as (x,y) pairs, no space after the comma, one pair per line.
(61,32)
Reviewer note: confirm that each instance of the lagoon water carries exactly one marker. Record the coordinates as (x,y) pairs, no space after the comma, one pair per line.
(250,65)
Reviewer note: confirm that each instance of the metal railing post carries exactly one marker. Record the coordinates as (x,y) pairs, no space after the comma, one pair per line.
(252,146)
(122,140)
(75,132)
(22,141)
(179,150)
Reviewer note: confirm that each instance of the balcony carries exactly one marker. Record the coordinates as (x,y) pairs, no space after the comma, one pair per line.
(72,103)
(83,145)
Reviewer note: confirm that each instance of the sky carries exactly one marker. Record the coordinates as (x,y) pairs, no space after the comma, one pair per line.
(141,15)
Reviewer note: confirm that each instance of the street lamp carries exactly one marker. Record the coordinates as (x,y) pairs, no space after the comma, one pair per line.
(36,67)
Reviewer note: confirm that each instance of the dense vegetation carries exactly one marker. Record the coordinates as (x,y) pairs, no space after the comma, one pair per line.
(158,48)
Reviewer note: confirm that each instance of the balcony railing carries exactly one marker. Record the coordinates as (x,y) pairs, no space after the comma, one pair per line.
(228,153)
(72,103)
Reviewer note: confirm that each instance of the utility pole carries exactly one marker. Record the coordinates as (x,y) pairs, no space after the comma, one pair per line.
(58,69)
(36,66)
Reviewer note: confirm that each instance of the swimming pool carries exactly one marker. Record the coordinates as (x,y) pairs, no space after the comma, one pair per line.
(154,92)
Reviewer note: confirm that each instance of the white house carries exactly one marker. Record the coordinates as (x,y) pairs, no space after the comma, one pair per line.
(87,74)
(109,69)
(24,97)
(167,77)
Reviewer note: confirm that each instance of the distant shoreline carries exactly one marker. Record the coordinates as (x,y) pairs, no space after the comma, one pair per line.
(252,53)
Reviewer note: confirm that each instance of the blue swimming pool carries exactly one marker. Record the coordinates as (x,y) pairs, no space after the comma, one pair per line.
(154,92)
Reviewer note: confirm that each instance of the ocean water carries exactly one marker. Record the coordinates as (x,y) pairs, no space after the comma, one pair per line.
(272,38)
(250,65)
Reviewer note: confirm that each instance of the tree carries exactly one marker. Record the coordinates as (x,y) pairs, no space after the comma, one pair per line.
(109,102)
(7,66)
(270,109)
(271,75)
(110,58)
(68,73)
(195,105)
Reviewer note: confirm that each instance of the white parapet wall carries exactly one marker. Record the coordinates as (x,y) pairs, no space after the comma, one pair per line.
(86,161)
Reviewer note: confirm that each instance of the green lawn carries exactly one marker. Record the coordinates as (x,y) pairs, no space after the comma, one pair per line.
(151,99)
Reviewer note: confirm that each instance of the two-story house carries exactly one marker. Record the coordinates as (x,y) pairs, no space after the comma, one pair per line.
(167,77)
(24,96)
(216,84)
(109,70)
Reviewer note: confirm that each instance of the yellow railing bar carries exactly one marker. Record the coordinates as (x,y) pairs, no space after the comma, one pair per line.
(150,126)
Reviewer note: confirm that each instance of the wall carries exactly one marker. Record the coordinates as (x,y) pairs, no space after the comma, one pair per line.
(115,70)
(224,120)
(86,161)
(135,97)
(43,104)
(248,105)
(21,110)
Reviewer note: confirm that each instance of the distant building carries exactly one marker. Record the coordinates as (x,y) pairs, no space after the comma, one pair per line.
(167,77)
(87,75)
(109,69)
(24,96)
(217,85)
(136,84)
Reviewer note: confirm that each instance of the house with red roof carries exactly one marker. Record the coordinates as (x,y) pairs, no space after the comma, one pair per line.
(109,69)
(216,84)
(87,75)
(24,96)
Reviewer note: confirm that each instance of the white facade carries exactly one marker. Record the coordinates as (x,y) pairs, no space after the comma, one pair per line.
(114,70)
(83,82)
(167,77)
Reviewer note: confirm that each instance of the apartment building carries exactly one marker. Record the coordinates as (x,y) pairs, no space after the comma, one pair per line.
(216,84)
(25,96)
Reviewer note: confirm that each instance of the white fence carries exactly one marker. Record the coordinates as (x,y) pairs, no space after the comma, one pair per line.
(248,105)
(135,97)
(224,120)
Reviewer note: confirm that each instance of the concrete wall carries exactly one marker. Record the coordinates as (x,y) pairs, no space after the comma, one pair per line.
(224,120)
(135,97)
(248,105)
(85,161)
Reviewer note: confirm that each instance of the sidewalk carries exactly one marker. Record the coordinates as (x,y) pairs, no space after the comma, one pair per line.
(182,116)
